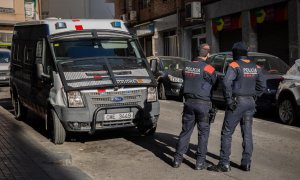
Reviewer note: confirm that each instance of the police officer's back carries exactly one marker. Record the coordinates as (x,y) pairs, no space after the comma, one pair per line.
(242,83)
(199,78)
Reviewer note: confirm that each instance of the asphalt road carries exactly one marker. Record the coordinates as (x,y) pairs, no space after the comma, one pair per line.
(124,154)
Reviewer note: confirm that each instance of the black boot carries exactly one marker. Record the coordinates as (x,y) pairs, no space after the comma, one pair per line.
(245,167)
(176,163)
(220,168)
(201,166)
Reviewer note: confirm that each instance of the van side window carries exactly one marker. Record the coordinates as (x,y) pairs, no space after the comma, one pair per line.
(47,63)
(39,52)
(21,48)
(30,52)
(14,52)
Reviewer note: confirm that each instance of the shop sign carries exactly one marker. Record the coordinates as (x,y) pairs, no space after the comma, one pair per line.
(145,29)
(7,10)
(227,23)
(275,13)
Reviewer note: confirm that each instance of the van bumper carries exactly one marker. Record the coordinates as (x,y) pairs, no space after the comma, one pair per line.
(85,120)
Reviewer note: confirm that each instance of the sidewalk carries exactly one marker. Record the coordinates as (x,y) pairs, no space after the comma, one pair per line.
(22,156)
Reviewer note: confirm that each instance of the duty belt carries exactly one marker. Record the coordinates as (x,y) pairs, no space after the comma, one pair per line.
(197,100)
(243,97)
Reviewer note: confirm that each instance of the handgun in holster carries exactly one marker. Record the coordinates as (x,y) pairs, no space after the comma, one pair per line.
(212,114)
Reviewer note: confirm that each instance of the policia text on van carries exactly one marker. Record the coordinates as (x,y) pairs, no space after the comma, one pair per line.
(81,76)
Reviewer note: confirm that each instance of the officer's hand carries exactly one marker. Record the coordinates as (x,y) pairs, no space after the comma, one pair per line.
(231,106)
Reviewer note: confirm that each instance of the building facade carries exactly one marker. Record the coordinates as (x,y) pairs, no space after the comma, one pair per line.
(11,12)
(87,9)
(178,27)
(270,26)
(162,26)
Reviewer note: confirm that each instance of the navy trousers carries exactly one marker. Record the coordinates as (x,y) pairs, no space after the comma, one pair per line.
(243,114)
(194,113)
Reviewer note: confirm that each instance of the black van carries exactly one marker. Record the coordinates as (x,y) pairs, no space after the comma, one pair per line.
(82,76)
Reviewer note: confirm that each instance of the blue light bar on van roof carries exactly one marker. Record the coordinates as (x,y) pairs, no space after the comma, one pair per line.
(60,25)
(116,24)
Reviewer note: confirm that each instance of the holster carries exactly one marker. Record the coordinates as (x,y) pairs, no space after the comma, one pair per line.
(212,114)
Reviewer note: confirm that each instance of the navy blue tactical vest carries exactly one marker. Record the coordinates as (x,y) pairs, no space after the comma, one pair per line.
(245,83)
(194,85)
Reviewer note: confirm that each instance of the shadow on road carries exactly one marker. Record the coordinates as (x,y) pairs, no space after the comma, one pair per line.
(163,145)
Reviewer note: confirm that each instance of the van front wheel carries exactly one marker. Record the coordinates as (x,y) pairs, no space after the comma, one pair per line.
(20,111)
(57,131)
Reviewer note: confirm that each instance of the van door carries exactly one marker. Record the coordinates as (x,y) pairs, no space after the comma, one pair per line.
(43,81)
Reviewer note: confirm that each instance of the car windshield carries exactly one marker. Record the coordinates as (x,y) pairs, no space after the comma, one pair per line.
(271,65)
(94,48)
(4,57)
(173,64)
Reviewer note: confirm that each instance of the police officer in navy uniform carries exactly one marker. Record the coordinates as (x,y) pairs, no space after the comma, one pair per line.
(199,77)
(242,83)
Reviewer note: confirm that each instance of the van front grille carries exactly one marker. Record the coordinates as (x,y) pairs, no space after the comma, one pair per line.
(116,98)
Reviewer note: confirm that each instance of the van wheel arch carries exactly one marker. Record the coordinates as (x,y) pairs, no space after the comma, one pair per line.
(55,128)
(20,111)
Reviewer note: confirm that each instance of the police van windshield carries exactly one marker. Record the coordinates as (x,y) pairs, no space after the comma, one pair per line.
(94,48)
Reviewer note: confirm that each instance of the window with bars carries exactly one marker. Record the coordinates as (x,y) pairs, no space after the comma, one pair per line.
(5,37)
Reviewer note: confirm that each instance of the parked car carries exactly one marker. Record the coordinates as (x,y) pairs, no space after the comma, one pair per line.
(288,95)
(273,69)
(4,65)
(168,72)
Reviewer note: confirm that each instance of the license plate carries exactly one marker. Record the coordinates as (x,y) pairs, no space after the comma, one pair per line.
(118,116)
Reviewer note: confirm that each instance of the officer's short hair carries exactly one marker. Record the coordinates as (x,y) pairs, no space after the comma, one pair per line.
(203,50)
(239,49)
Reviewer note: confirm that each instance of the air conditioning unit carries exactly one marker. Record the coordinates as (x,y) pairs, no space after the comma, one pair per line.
(124,18)
(193,10)
(132,15)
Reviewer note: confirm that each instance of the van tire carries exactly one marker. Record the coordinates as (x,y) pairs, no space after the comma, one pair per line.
(57,131)
(20,111)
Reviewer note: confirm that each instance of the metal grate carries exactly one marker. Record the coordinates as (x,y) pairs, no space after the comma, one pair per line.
(129,97)
(115,123)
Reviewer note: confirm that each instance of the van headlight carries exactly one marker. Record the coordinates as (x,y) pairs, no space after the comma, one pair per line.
(175,79)
(152,95)
(75,99)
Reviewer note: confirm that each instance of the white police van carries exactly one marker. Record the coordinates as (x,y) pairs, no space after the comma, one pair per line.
(82,76)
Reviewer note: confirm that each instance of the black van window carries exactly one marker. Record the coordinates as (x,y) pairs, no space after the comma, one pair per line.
(48,61)
(30,52)
(21,49)
(39,52)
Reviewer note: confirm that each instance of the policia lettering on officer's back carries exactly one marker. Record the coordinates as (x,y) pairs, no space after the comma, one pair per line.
(198,79)
(242,83)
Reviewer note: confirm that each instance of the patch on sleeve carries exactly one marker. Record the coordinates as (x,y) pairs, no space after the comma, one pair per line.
(209,69)
(246,60)
(234,65)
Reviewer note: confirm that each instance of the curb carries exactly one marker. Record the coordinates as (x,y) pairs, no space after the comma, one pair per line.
(55,163)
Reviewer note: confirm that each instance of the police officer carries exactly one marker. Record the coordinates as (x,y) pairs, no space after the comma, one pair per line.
(242,83)
(199,78)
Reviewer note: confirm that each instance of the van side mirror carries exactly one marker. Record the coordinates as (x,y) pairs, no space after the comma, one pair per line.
(153,65)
